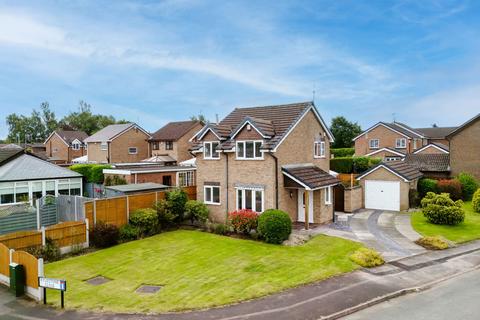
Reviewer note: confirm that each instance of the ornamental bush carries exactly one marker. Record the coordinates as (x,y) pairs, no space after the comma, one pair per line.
(243,221)
(146,220)
(274,226)
(452,187)
(441,209)
(104,235)
(165,216)
(426,185)
(196,211)
(367,258)
(433,243)
(476,201)
(129,233)
(342,152)
(176,200)
(469,185)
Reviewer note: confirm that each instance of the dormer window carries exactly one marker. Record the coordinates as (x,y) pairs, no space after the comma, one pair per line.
(249,150)
(75,146)
(401,143)
(210,150)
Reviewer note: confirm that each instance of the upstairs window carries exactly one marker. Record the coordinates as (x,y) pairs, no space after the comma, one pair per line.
(210,150)
(155,145)
(374,143)
(104,146)
(401,143)
(75,146)
(249,150)
(132,150)
(319,149)
(168,145)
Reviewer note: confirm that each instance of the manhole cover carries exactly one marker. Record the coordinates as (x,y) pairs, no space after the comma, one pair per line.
(97,281)
(148,289)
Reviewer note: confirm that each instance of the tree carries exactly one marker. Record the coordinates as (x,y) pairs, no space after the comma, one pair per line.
(344,131)
(200,118)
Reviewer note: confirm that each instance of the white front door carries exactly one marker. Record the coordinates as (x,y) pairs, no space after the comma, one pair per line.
(301,205)
(382,195)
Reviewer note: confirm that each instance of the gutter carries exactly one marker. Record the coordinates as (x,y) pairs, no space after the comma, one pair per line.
(276,178)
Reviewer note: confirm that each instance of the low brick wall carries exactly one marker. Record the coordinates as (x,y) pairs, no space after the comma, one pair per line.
(353,198)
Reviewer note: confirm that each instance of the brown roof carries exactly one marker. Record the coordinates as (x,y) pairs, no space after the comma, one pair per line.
(436,132)
(310,175)
(69,135)
(406,171)
(174,130)
(429,162)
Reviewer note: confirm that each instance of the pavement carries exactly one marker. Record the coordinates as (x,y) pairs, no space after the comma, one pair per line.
(329,299)
(453,299)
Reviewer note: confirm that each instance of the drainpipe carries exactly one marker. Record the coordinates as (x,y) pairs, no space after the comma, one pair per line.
(276,178)
(226,178)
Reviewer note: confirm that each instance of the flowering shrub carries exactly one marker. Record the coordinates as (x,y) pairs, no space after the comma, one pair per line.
(243,221)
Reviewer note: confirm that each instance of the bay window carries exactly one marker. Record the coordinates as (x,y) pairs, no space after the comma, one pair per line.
(249,150)
(251,199)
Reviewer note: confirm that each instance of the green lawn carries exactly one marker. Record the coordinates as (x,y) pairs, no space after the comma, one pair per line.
(197,270)
(466,231)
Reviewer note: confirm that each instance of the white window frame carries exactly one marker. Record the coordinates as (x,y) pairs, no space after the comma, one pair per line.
(131,148)
(206,201)
(244,156)
(210,156)
(104,146)
(319,149)
(399,144)
(374,143)
(328,195)
(414,143)
(188,180)
(389,159)
(76,146)
(254,202)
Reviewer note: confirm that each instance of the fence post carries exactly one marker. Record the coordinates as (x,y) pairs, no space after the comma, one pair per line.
(76,214)
(10,255)
(156,196)
(128,209)
(41,273)
(94,212)
(44,239)
(87,235)
(38,213)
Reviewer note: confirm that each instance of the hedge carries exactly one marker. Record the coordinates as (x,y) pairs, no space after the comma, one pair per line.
(352,164)
(342,152)
(92,172)
(469,185)
(426,185)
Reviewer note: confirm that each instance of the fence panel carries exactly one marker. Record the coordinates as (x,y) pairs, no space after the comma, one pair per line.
(348,179)
(30,263)
(88,208)
(191,192)
(68,233)
(115,211)
(22,239)
(4,260)
(140,201)
(17,217)
(70,208)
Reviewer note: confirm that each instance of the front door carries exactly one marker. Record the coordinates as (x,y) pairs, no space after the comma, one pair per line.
(301,205)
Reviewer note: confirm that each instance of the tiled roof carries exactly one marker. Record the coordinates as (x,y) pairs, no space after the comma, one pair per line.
(436,132)
(466,124)
(429,162)
(69,135)
(174,130)
(310,175)
(404,170)
(8,153)
(109,132)
(403,128)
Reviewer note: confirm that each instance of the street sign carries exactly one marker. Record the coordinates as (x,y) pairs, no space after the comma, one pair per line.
(55,284)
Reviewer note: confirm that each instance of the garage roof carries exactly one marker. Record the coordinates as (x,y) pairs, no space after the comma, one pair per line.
(398,168)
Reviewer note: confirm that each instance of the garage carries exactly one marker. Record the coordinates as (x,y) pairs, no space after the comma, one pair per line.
(384,195)
(387,186)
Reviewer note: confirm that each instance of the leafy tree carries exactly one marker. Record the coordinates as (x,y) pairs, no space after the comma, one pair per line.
(344,131)
(200,118)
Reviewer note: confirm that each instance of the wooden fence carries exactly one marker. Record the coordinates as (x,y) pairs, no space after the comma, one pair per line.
(30,264)
(22,239)
(348,179)
(4,261)
(117,210)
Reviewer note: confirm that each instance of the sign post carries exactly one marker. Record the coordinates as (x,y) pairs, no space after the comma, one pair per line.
(55,284)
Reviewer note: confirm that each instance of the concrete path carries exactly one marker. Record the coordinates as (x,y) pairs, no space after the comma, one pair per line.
(329,299)
(389,233)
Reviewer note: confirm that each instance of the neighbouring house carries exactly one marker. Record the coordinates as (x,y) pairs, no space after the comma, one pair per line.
(179,176)
(37,149)
(129,189)
(432,165)
(62,146)
(393,141)
(387,186)
(170,144)
(464,143)
(118,143)
(25,178)
(267,157)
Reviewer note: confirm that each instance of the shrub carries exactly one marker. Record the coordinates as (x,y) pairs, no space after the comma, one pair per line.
(176,200)
(441,209)
(196,211)
(92,172)
(342,165)
(367,258)
(452,187)
(146,220)
(243,221)
(361,164)
(165,216)
(469,185)
(372,162)
(114,181)
(432,243)
(219,228)
(129,233)
(104,235)
(274,226)
(50,252)
(342,152)
(476,201)
(427,185)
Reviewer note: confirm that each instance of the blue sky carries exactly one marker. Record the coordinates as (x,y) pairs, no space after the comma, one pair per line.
(156,61)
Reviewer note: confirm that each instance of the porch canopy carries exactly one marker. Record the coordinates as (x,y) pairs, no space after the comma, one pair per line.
(307,176)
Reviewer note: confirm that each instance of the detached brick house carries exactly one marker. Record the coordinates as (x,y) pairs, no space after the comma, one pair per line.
(171,142)
(118,143)
(393,141)
(64,145)
(267,157)
(464,145)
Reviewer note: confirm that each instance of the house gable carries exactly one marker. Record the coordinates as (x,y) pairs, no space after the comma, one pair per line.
(380,124)
(431,149)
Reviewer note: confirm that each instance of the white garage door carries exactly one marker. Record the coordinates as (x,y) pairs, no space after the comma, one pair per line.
(382,195)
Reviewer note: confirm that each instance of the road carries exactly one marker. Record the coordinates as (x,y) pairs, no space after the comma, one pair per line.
(457,298)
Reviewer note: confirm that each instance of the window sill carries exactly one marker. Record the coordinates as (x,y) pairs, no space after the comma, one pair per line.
(212,203)
(211,158)
(249,159)
(319,157)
